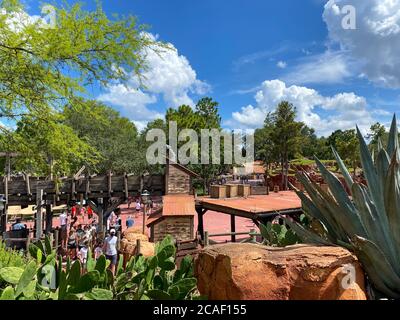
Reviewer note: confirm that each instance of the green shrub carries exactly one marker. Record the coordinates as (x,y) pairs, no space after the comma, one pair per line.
(45,277)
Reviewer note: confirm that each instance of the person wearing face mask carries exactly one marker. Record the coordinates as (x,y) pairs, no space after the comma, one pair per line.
(110,249)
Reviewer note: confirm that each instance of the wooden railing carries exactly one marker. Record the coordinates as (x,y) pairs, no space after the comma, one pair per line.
(252,237)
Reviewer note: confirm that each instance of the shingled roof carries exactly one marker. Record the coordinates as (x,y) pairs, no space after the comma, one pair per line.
(177,205)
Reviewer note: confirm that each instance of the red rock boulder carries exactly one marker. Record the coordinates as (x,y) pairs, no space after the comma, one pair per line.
(257,272)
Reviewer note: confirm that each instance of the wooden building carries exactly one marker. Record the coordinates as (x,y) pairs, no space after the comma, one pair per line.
(176,217)
(178,178)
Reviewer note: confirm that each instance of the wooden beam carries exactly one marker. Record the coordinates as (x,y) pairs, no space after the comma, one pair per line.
(200,225)
(126,190)
(39,217)
(109,184)
(233,228)
(78,174)
(87,189)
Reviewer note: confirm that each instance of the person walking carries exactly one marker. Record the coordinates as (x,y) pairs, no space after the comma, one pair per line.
(138,207)
(129,222)
(110,250)
(64,225)
(72,243)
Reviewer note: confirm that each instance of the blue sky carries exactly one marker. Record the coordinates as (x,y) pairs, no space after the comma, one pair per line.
(249,55)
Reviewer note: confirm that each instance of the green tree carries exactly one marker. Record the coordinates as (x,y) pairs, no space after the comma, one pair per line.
(49,147)
(265,148)
(44,66)
(308,142)
(377,133)
(347,144)
(204,116)
(286,136)
(114,137)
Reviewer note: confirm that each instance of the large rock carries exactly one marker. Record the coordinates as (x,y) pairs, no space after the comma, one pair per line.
(256,272)
(129,241)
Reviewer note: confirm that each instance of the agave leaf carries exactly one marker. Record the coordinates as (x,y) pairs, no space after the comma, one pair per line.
(393,142)
(373,227)
(372,179)
(334,231)
(343,169)
(327,206)
(372,258)
(382,167)
(392,203)
(306,235)
(350,219)
(380,145)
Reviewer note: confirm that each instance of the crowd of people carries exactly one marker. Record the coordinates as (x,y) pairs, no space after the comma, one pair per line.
(80,234)
(80,231)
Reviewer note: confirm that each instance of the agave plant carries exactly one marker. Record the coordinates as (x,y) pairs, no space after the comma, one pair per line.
(368,222)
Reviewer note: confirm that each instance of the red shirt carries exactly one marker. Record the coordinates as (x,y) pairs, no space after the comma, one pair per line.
(73,211)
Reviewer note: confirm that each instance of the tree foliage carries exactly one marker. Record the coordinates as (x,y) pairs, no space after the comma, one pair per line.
(43,66)
(115,138)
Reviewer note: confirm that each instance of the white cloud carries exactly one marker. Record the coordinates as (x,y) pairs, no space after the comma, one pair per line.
(169,76)
(18,20)
(345,109)
(326,68)
(376,40)
(281,64)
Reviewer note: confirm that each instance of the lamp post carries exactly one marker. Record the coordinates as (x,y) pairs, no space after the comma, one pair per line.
(145,199)
(3,215)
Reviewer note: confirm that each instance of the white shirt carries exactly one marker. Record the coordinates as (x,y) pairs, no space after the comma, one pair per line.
(63,219)
(98,252)
(83,254)
(111,245)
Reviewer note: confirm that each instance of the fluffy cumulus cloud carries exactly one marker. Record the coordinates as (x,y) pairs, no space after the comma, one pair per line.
(168,77)
(376,40)
(345,109)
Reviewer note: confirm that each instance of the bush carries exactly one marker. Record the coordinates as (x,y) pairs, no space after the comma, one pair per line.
(45,277)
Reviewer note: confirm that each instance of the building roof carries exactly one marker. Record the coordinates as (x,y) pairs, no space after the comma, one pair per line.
(178,205)
(17,210)
(183,168)
(254,205)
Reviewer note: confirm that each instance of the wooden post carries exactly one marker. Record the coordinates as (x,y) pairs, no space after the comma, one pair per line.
(200,222)
(206,239)
(118,240)
(39,217)
(100,212)
(137,247)
(144,218)
(233,228)
(56,239)
(51,238)
(126,190)
(109,183)
(28,242)
(49,219)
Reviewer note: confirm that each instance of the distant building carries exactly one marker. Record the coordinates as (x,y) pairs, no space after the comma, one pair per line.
(254,170)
